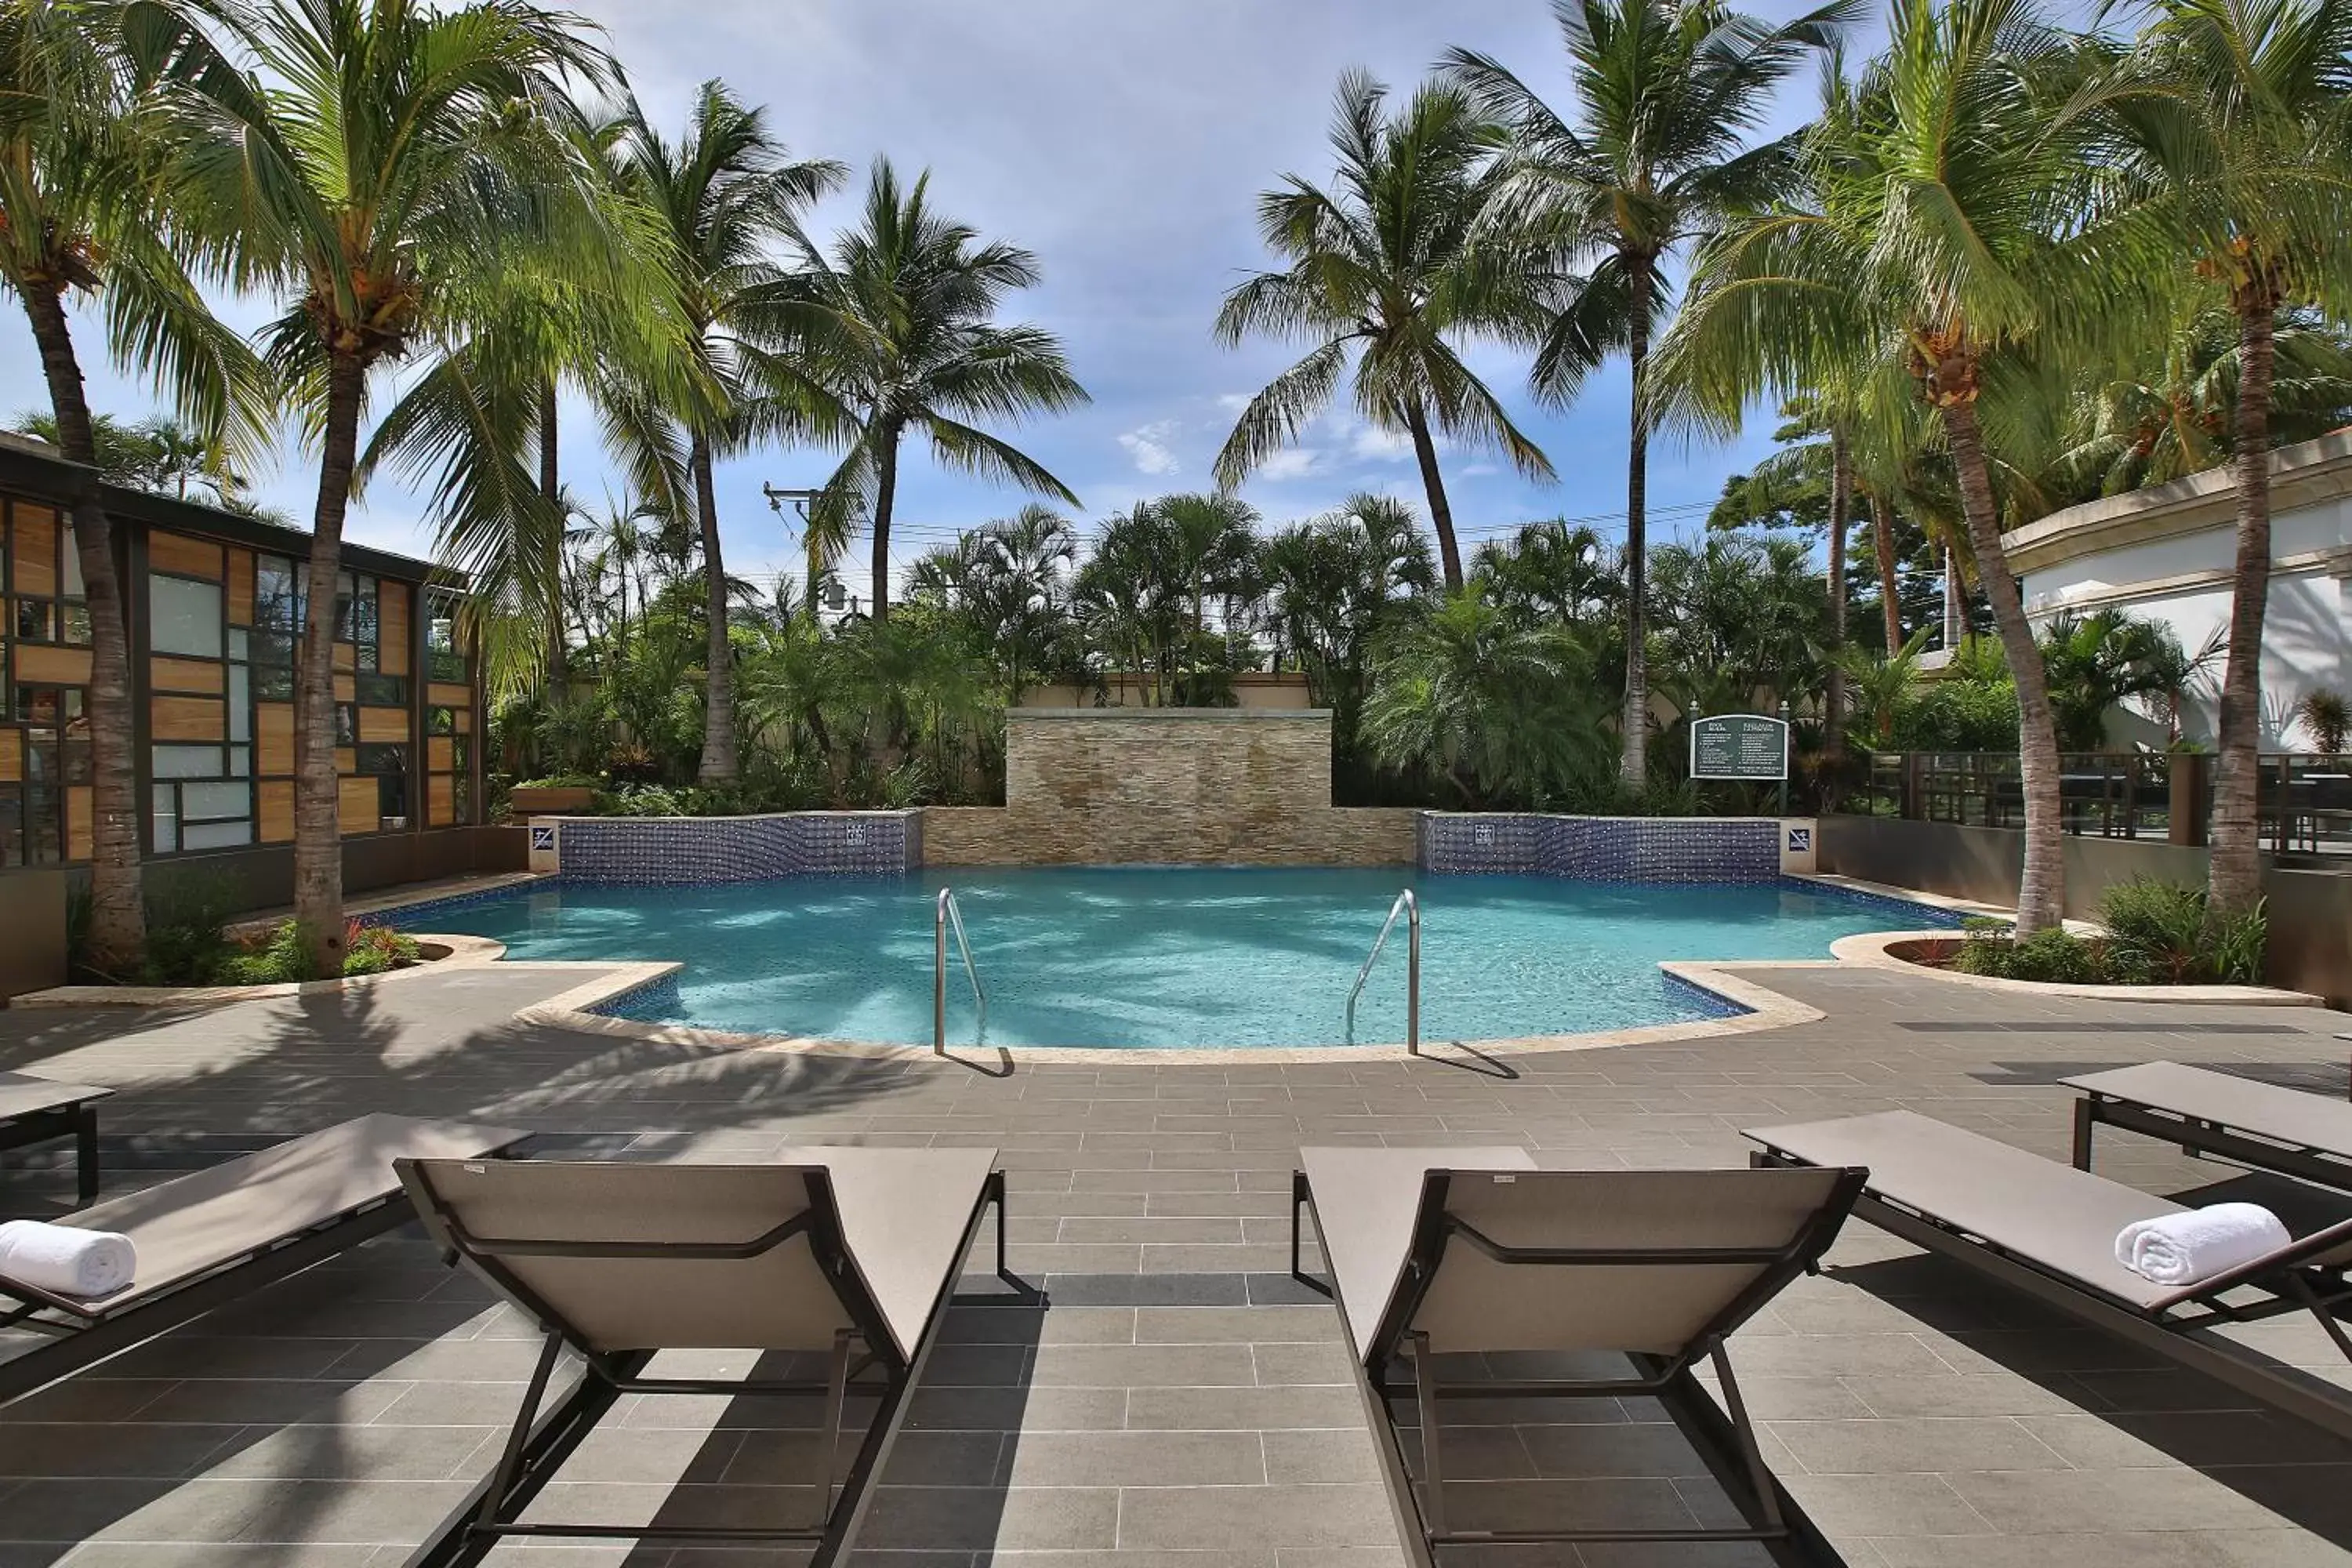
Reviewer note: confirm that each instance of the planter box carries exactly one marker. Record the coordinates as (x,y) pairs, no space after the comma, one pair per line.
(527,802)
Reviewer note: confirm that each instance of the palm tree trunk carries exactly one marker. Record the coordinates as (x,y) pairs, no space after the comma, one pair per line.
(318,788)
(1882,535)
(1956,620)
(719,683)
(550,489)
(2234,874)
(886,498)
(1633,756)
(117,919)
(1833,689)
(2042,889)
(1441,514)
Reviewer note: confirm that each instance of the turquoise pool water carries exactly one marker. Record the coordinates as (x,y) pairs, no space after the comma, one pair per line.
(1159,957)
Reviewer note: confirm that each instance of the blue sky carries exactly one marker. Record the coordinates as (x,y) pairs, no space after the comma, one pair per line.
(1124,141)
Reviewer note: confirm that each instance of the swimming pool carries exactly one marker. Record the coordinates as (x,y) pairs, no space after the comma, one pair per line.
(1163,957)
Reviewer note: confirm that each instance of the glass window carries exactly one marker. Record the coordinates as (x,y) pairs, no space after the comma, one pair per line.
(458,752)
(167,817)
(461,798)
(273,683)
(240,761)
(69,560)
(240,703)
(383,691)
(347,724)
(277,597)
(186,617)
(187,761)
(440,720)
(382,757)
(343,606)
(32,621)
(74,623)
(240,643)
(57,705)
(215,835)
(12,826)
(215,801)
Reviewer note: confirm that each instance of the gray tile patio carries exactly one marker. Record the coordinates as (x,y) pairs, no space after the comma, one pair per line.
(1183,1404)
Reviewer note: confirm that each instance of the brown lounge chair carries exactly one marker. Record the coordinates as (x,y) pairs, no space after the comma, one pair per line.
(2050,1230)
(2285,1130)
(826,1252)
(36,1110)
(1436,1252)
(210,1236)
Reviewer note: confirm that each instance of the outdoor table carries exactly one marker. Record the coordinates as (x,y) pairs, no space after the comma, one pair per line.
(2285,1130)
(36,1110)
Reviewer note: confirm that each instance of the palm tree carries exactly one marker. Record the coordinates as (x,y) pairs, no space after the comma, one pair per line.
(1026,590)
(898,325)
(1394,264)
(79,216)
(720,198)
(1551,571)
(1926,248)
(1215,549)
(390,165)
(1651,160)
(2237,115)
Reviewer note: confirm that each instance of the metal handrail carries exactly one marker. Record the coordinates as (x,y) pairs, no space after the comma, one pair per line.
(944,915)
(1409,906)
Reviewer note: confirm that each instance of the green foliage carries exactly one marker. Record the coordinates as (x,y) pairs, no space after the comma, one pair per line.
(285,954)
(2158,934)
(372,950)
(184,942)
(2329,718)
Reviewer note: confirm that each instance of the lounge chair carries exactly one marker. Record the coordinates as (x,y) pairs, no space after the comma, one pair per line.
(214,1235)
(36,1110)
(1436,1252)
(2050,1229)
(849,1254)
(2287,1131)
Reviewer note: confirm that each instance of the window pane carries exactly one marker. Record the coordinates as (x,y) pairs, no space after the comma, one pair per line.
(240,643)
(347,724)
(277,596)
(187,761)
(68,561)
(240,703)
(12,826)
(440,720)
(215,834)
(240,761)
(383,691)
(343,606)
(32,620)
(273,683)
(167,820)
(186,616)
(380,758)
(74,624)
(202,800)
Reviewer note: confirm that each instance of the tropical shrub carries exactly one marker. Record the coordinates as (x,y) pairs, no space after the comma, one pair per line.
(2329,718)
(2157,933)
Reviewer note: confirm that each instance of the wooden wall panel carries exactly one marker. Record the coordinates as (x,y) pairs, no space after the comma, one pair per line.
(78,843)
(392,627)
(383,724)
(53,666)
(440,754)
(240,587)
(188,674)
(346,656)
(274,729)
(188,557)
(347,761)
(190,719)
(346,688)
(33,550)
(11,757)
(356,807)
(276,810)
(465,717)
(440,801)
(448,694)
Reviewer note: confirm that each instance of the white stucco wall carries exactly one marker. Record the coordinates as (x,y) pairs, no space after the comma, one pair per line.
(2184,580)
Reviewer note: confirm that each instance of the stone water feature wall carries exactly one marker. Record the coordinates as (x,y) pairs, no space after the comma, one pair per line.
(1203,786)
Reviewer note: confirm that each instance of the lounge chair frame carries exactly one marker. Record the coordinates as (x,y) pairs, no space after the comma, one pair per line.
(76,1119)
(538,1445)
(2200,1136)
(2291,1280)
(1724,1436)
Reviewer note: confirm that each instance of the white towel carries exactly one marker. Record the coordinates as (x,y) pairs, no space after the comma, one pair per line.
(2182,1248)
(65,1260)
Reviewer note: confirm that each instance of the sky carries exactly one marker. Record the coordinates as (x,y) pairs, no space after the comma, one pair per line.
(1124,142)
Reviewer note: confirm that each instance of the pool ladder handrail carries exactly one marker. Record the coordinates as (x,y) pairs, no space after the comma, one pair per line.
(944,915)
(1409,906)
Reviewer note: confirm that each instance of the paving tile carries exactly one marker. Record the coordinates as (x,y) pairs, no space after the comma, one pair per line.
(1248,1518)
(1918,1445)
(981,1518)
(1135,1458)
(1143,1366)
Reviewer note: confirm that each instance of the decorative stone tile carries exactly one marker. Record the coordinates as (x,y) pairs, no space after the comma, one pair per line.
(741,848)
(1602,848)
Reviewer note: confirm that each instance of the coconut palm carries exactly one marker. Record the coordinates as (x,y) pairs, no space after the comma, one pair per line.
(1394,265)
(390,165)
(78,217)
(1928,246)
(1024,591)
(1551,572)
(1215,550)
(898,322)
(2237,119)
(1649,161)
(720,197)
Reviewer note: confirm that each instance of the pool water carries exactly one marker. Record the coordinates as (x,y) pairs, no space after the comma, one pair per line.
(1160,957)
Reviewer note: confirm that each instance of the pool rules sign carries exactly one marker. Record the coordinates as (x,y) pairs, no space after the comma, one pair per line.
(1740,746)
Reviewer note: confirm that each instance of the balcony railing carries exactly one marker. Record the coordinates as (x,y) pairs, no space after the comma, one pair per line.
(2304,800)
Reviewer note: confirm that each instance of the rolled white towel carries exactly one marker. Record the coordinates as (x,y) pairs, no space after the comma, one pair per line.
(65,1260)
(2182,1248)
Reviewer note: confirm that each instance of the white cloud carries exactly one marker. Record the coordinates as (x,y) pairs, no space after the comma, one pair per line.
(1381,445)
(1232,401)
(1148,445)
(1479,471)
(1293,463)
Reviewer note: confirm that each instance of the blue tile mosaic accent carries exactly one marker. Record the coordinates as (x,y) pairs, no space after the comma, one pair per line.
(1916,917)
(1603,848)
(655,1001)
(1706,1004)
(420,916)
(742,848)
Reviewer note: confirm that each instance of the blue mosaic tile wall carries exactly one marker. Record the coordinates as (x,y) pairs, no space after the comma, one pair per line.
(1604,848)
(420,916)
(1699,1000)
(742,848)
